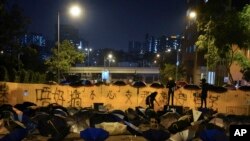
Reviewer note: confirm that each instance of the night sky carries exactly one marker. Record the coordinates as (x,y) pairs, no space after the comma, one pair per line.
(109,23)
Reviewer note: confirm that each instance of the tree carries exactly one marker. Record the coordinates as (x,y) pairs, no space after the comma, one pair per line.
(169,70)
(221,33)
(65,58)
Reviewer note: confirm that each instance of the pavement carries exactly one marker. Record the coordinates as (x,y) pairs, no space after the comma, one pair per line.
(76,137)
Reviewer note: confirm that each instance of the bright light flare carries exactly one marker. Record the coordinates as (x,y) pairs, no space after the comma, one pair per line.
(75,11)
(192,15)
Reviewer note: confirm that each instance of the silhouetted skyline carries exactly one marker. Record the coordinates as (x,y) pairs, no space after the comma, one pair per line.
(109,23)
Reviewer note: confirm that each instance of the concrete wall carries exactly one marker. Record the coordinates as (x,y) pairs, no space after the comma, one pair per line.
(119,97)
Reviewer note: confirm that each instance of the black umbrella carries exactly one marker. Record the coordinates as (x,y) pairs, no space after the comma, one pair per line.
(229,87)
(191,87)
(156,135)
(244,88)
(138,84)
(157,85)
(94,134)
(79,83)
(217,89)
(99,83)
(119,83)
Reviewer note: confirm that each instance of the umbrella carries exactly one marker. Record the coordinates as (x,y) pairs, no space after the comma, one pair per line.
(229,87)
(196,114)
(156,135)
(191,87)
(157,85)
(178,126)
(80,120)
(169,118)
(244,88)
(217,89)
(138,84)
(114,128)
(185,135)
(119,83)
(180,84)
(94,134)
(79,83)
(213,135)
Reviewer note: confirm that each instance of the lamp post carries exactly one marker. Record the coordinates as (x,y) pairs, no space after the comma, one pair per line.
(192,17)
(110,58)
(177,64)
(88,50)
(75,11)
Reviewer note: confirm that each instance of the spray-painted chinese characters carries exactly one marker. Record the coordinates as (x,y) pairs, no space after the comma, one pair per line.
(128,95)
(58,96)
(92,95)
(3,93)
(75,100)
(44,95)
(111,95)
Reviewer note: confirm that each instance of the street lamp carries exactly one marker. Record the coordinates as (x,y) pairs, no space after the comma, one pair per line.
(110,58)
(88,50)
(75,11)
(177,63)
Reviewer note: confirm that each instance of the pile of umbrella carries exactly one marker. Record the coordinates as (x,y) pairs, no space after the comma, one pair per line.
(57,122)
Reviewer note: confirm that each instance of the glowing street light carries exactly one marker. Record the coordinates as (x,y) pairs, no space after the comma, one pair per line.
(192,15)
(88,50)
(74,11)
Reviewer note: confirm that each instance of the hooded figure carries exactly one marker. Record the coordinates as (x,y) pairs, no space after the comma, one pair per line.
(204,89)
(171,87)
(150,100)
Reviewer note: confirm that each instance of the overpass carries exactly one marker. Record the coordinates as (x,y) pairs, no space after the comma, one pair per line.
(112,70)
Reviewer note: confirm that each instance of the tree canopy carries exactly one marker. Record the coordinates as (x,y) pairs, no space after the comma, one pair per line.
(63,59)
(223,31)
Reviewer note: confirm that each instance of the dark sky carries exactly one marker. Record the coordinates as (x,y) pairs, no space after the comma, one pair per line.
(109,23)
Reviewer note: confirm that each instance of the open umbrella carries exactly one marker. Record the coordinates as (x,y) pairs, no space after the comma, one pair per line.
(217,89)
(119,83)
(156,135)
(94,134)
(191,87)
(79,83)
(138,84)
(244,88)
(157,85)
(169,118)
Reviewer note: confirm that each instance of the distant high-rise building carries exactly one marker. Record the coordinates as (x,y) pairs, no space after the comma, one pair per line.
(134,47)
(33,38)
(174,42)
(150,44)
(69,32)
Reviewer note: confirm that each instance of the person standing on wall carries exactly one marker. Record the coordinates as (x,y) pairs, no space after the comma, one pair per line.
(204,89)
(150,100)
(171,87)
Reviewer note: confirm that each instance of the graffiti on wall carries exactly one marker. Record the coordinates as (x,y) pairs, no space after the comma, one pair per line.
(75,99)
(92,95)
(58,96)
(111,94)
(3,93)
(45,96)
(128,96)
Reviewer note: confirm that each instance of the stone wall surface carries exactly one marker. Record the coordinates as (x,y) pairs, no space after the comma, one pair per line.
(119,97)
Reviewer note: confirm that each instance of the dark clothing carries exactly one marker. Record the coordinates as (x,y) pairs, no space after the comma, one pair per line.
(171,85)
(204,89)
(150,100)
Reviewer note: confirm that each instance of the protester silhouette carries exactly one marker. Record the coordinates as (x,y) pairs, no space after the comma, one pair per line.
(204,89)
(171,87)
(150,100)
